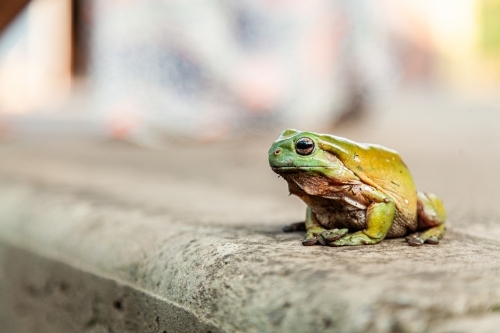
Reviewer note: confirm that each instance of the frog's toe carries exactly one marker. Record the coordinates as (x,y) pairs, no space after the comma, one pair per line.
(321,240)
(414,240)
(334,234)
(433,240)
(420,239)
(309,241)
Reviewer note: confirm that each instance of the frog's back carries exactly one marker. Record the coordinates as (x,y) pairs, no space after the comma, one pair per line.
(379,167)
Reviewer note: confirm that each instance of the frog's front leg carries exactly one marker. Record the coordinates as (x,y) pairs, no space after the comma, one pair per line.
(313,228)
(316,233)
(379,217)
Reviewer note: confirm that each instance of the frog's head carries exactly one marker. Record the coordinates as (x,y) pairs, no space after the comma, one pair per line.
(296,151)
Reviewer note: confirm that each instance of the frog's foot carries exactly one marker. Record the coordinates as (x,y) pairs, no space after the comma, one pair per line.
(324,237)
(313,236)
(298,226)
(329,236)
(357,238)
(430,236)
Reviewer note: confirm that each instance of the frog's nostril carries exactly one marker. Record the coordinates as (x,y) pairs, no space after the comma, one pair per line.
(277,152)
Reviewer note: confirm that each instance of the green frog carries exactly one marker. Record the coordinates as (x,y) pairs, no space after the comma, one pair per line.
(355,193)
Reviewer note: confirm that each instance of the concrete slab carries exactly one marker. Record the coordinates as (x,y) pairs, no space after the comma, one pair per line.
(104,237)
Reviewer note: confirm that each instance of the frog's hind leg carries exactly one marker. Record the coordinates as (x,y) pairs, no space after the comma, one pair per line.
(431,217)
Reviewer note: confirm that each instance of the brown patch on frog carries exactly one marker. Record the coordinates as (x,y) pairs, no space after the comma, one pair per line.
(312,184)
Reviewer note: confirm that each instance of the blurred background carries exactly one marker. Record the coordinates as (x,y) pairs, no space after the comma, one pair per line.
(145,71)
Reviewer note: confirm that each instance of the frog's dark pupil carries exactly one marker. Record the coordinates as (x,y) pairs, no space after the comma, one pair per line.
(304,146)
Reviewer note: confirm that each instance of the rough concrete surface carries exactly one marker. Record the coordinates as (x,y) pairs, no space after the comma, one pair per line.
(105,237)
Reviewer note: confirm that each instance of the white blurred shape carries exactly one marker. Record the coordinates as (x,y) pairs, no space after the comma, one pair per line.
(36,72)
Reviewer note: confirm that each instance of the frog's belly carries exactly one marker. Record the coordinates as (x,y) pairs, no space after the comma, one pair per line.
(339,214)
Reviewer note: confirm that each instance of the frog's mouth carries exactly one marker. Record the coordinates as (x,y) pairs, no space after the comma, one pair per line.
(296,168)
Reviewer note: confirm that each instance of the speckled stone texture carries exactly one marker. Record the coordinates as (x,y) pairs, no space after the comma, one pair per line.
(105,237)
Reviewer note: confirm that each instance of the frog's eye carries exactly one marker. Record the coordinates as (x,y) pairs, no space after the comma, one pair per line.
(304,146)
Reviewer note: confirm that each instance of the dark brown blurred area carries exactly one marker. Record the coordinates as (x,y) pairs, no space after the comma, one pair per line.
(8,11)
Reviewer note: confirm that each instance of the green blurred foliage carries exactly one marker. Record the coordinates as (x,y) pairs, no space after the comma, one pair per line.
(490,26)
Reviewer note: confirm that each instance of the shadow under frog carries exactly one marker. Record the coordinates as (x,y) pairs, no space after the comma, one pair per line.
(355,193)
